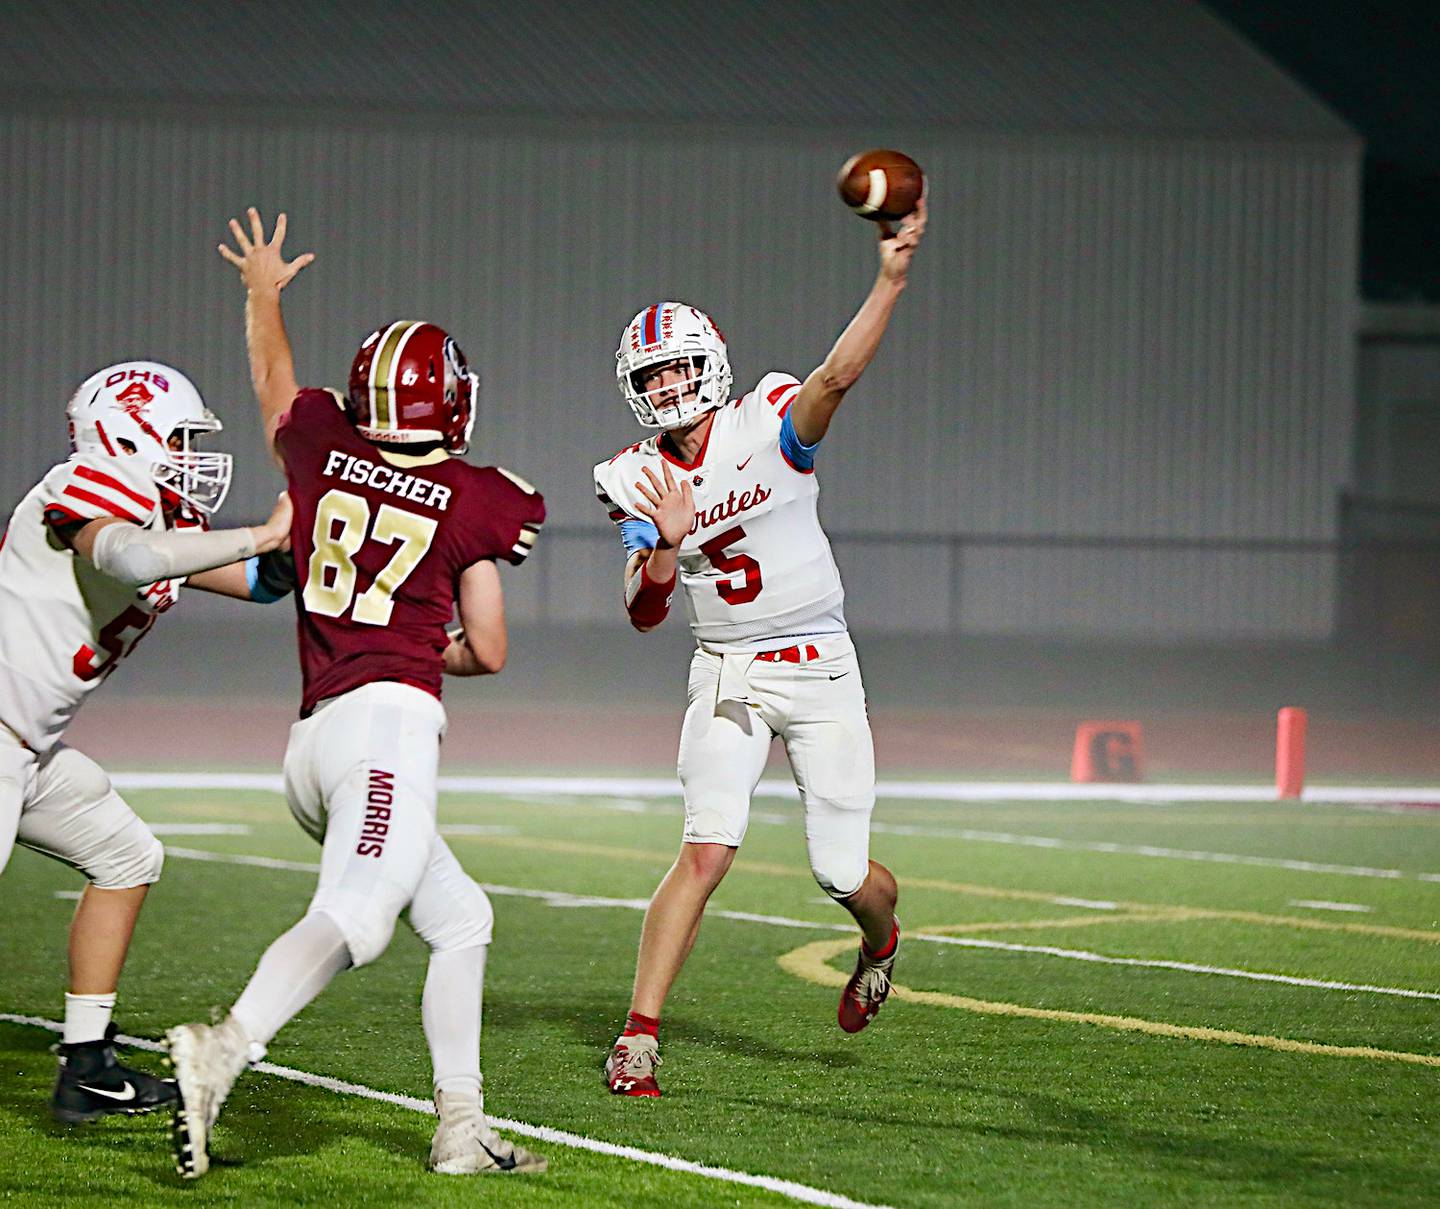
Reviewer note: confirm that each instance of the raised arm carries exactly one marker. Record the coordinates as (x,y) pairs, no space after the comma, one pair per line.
(265,272)
(479,646)
(853,351)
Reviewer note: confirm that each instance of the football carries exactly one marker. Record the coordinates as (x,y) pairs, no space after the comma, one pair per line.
(881,185)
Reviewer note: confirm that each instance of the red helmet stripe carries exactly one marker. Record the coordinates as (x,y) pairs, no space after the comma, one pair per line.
(652,327)
(104,440)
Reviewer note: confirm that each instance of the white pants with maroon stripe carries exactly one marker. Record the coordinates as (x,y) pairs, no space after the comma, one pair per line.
(62,804)
(737,705)
(360,778)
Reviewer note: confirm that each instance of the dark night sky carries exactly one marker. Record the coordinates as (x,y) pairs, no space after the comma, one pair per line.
(1377,64)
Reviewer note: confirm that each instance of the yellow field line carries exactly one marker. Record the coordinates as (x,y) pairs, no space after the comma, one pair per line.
(809,963)
(1158,911)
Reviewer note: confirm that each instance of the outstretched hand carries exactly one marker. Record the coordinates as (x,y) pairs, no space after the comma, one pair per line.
(262,265)
(274,534)
(897,248)
(669,506)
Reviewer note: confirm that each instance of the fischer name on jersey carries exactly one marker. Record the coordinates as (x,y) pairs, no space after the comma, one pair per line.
(65,626)
(756,566)
(380,545)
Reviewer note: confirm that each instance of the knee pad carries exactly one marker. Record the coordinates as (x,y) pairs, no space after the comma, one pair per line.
(717,808)
(837,838)
(365,921)
(469,921)
(715,819)
(840,874)
(132,857)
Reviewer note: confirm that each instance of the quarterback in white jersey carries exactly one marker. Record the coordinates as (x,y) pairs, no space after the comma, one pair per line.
(92,555)
(724,497)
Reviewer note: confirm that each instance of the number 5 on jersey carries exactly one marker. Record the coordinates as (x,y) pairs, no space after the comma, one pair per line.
(731,592)
(342,523)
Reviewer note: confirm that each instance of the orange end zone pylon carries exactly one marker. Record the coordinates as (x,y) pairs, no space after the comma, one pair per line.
(1107,751)
(1290,752)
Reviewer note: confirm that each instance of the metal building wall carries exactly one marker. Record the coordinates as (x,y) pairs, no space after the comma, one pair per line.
(1105,337)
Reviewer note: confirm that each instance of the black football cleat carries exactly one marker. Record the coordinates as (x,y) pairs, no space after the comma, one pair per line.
(93,1084)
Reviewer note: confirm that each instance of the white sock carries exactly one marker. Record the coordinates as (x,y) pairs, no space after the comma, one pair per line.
(295,968)
(450,1009)
(87,1016)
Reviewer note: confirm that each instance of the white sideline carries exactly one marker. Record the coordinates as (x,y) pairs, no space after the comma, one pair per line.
(929,791)
(542,1133)
(562,898)
(961,791)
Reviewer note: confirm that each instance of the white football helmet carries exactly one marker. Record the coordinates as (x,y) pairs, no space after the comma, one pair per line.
(672,331)
(133,409)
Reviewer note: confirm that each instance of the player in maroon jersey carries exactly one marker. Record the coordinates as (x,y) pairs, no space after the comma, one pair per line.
(392,530)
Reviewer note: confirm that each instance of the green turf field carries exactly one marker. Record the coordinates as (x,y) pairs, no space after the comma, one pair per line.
(1011,1069)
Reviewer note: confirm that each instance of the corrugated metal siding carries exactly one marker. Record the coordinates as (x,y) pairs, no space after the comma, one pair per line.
(1104,337)
(1106,65)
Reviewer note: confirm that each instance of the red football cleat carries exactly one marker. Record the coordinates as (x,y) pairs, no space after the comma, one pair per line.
(868,987)
(630,1068)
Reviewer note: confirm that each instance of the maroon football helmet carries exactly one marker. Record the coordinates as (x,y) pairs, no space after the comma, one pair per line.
(409,384)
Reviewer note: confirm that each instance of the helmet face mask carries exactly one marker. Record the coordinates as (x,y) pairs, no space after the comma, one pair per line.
(137,409)
(410,385)
(666,333)
(199,478)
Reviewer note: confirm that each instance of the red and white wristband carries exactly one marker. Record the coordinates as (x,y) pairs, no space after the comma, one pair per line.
(648,602)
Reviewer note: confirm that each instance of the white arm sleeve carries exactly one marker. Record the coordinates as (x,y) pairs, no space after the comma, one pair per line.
(139,556)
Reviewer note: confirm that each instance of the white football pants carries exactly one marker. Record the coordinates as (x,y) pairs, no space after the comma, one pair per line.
(737,704)
(360,778)
(61,803)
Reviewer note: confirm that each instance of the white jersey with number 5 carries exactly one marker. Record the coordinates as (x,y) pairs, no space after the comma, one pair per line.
(756,567)
(64,626)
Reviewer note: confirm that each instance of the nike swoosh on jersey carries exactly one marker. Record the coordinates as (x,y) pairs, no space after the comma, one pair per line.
(838,675)
(746,462)
(127,1094)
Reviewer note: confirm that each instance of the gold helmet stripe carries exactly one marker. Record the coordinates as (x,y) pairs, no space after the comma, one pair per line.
(382,373)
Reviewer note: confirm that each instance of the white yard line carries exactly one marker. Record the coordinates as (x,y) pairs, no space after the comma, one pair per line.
(561,898)
(1184,967)
(1090,904)
(929,791)
(590,787)
(1110,848)
(542,1133)
(1324,904)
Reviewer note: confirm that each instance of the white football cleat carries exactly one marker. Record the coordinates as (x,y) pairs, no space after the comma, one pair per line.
(466,1145)
(207,1060)
(630,1067)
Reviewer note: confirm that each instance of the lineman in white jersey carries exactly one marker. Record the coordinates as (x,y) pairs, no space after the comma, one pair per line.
(725,496)
(94,553)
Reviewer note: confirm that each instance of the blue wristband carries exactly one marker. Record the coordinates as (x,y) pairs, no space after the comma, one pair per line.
(258,591)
